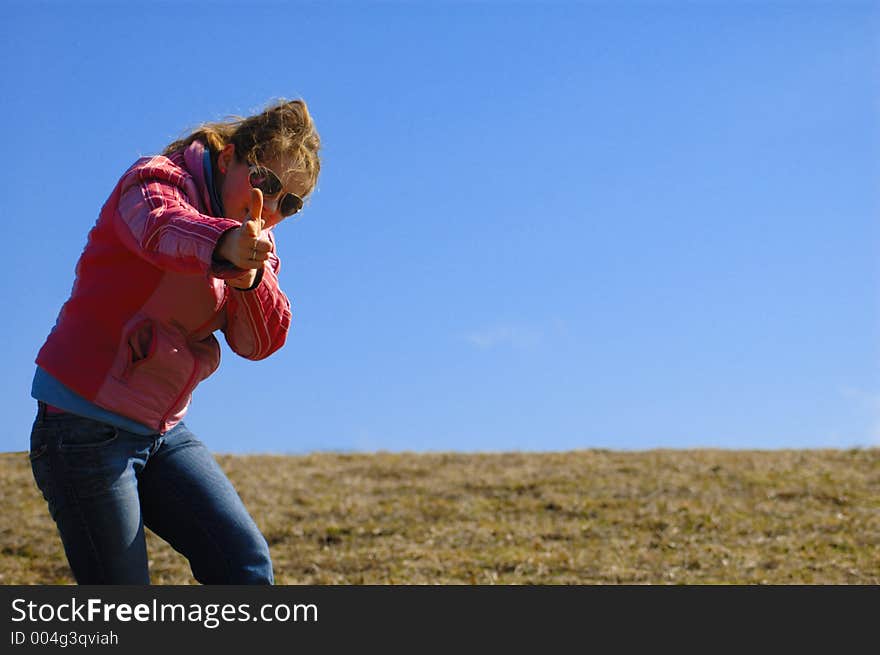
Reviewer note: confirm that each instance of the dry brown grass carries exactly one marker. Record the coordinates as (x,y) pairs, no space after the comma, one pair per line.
(582,517)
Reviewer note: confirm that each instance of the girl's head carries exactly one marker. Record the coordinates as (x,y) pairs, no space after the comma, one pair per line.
(282,138)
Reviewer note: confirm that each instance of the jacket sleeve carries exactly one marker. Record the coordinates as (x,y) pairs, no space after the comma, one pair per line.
(157,221)
(257,320)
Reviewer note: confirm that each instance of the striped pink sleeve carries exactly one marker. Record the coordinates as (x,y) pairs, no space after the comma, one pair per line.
(257,321)
(156,220)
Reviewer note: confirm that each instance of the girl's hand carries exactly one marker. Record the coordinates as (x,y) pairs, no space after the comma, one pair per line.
(243,281)
(243,246)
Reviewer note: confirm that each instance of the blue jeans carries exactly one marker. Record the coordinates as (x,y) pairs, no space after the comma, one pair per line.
(104,484)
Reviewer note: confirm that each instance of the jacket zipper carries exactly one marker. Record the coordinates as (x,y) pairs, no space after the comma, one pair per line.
(186,389)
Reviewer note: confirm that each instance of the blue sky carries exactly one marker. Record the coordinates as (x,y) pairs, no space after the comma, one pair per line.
(539,226)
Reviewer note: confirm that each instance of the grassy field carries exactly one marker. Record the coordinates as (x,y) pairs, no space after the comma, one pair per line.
(581,517)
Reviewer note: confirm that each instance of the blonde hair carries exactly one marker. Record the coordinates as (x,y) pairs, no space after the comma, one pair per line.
(284,129)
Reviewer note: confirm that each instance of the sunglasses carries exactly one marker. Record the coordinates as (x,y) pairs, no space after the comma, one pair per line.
(266,181)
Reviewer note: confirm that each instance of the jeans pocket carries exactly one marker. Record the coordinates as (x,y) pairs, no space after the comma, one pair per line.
(39,455)
(86,434)
(39,443)
(88,454)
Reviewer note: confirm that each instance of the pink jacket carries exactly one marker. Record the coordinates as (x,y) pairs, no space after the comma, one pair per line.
(136,335)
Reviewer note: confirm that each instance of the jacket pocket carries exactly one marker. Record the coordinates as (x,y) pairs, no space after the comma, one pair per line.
(154,356)
(140,346)
(153,369)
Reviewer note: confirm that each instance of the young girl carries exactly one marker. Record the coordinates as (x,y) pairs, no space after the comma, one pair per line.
(182,248)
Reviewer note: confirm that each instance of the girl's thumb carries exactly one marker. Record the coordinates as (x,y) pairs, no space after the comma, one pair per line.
(254,224)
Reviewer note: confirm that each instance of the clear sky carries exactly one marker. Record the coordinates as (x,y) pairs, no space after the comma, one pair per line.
(539,226)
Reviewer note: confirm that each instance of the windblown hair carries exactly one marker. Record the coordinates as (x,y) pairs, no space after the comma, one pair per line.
(283,129)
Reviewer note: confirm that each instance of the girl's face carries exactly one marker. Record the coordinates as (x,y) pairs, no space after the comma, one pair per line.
(235,187)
